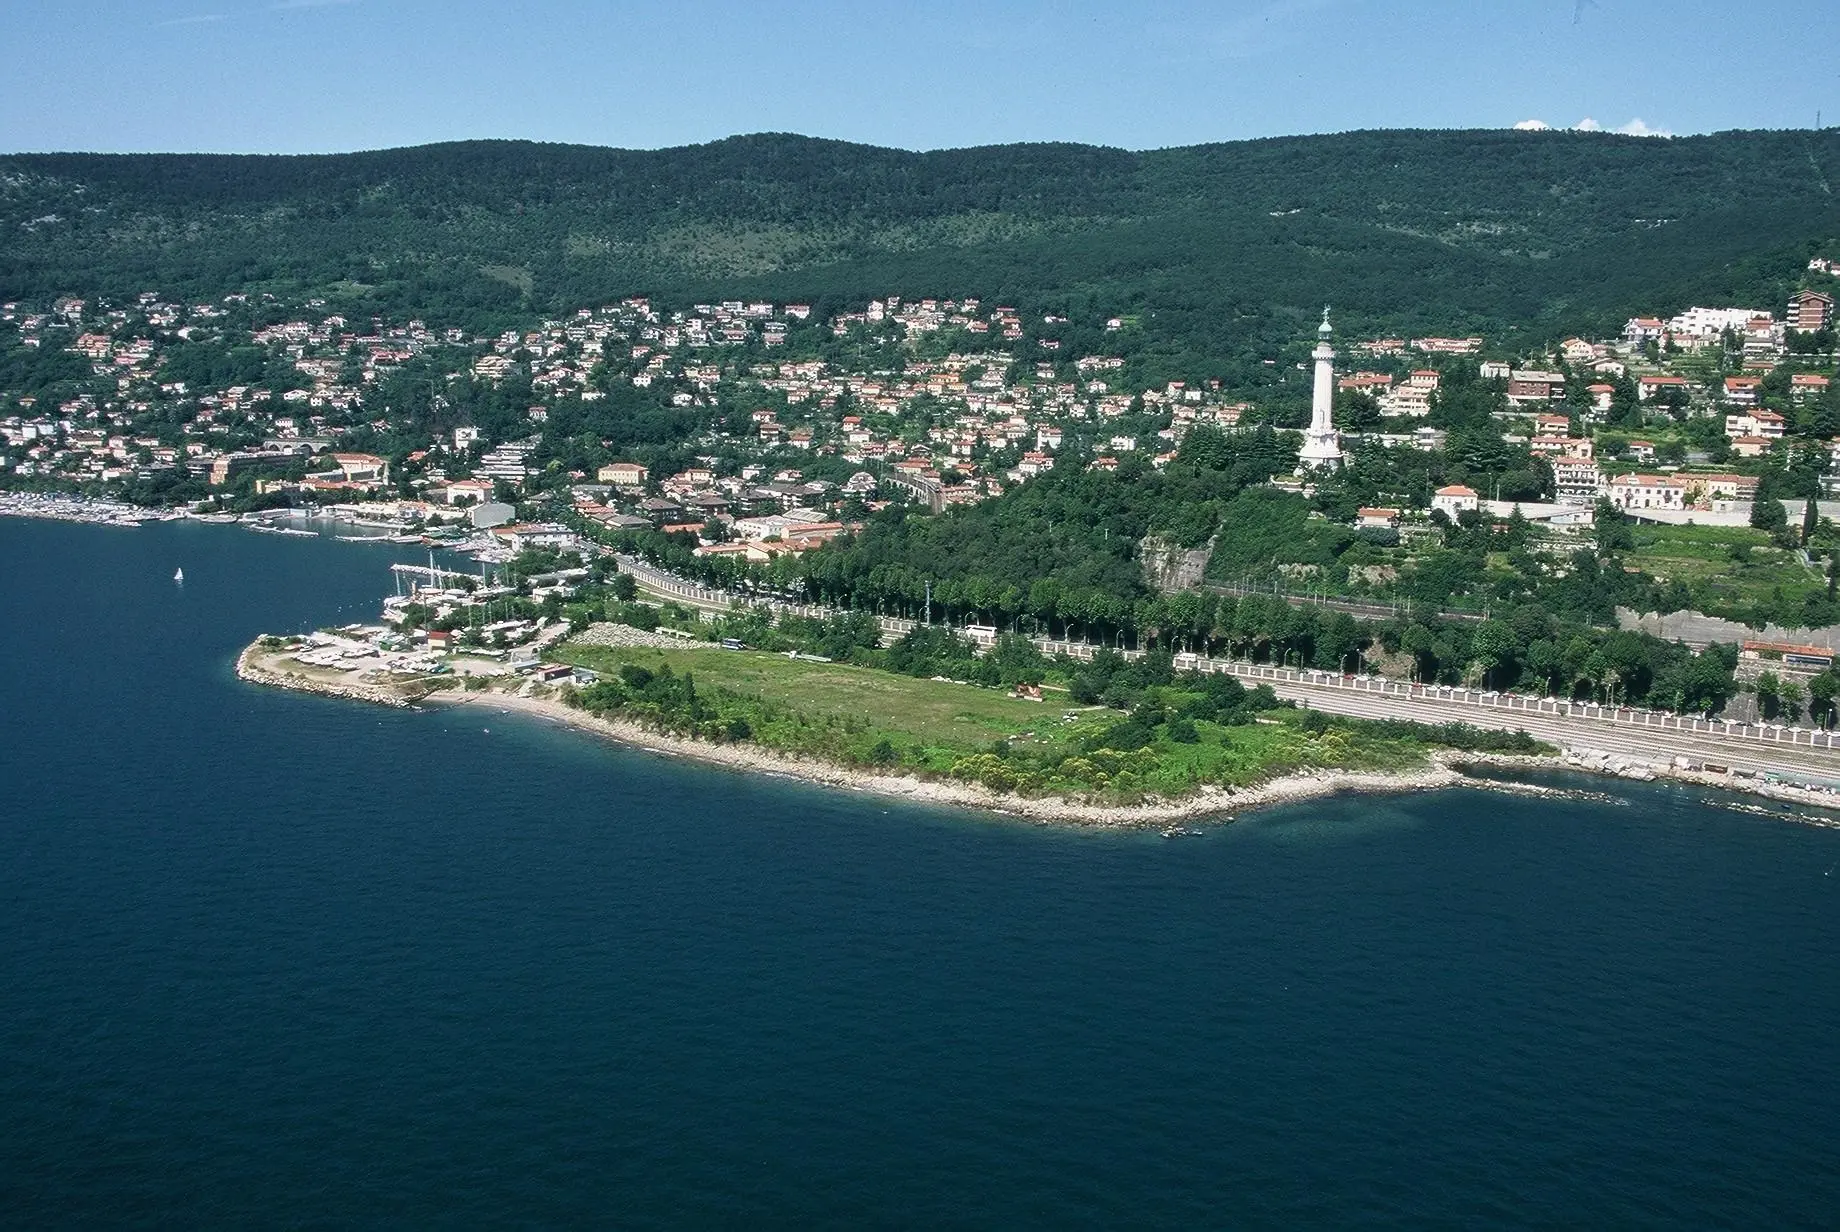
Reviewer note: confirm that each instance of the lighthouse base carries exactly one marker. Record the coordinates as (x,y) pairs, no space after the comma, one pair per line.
(1322,451)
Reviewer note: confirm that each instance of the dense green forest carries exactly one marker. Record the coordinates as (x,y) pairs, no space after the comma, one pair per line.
(1213,247)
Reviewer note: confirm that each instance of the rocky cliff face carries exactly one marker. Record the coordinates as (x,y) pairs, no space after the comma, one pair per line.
(1697,629)
(1171,568)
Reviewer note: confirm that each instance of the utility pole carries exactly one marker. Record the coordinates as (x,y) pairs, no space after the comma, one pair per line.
(929,602)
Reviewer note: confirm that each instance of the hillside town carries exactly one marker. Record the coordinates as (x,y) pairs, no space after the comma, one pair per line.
(1660,420)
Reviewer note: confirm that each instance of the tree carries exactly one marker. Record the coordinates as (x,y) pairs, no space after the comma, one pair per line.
(1337,638)
(1769,694)
(1710,678)
(1822,690)
(1767,511)
(1610,527)
(1494,647)
(1357,411)
(1791,700)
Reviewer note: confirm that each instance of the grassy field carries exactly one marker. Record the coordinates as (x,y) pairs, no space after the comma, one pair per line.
(928,712)
(1725,567)
(845,712)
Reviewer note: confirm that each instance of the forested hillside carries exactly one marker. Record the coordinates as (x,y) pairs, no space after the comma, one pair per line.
(1435,230)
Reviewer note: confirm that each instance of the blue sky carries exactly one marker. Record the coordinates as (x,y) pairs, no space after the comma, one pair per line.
(290,76)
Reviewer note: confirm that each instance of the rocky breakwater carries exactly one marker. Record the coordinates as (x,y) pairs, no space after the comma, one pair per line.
(270,665)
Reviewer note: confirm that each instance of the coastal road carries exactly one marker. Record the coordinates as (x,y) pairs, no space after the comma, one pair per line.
(657,583)
(1648,745)
(1651,736)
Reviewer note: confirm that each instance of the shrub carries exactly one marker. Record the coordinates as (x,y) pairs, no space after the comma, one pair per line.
(1126,736)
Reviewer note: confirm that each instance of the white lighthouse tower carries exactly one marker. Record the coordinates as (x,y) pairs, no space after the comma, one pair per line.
(1322,444)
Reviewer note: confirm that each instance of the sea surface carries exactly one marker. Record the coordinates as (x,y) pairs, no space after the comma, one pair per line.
(269,959)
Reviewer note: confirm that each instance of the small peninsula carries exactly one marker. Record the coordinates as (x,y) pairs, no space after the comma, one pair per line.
(1004,722)
(958,744)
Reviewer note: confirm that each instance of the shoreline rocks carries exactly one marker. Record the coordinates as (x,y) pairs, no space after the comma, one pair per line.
(249,668)
(1446,768)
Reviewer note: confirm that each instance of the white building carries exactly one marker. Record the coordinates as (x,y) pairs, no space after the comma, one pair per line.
(1577,481)
(1767,424)
(1322,444)
(1638,491)
(1709,323)
(1453,500)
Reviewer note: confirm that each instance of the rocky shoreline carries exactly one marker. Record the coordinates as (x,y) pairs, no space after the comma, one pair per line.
(1211,803)
(1446,768)
(250,668)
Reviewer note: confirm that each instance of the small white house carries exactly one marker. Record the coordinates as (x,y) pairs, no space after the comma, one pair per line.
(1453,500)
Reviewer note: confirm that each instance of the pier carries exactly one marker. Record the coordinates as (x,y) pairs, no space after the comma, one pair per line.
(436,577)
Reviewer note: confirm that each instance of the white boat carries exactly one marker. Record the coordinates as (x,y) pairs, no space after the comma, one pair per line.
(178,575)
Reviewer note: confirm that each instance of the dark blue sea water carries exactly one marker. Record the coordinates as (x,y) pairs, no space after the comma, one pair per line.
(268,959)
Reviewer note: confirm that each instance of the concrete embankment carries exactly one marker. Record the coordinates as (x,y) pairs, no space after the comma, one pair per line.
(1653,746)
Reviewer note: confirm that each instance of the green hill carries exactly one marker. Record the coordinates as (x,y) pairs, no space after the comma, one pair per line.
(1435,230)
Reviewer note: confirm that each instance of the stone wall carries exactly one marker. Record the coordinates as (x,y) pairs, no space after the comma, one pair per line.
(1698,629)
(1170,568)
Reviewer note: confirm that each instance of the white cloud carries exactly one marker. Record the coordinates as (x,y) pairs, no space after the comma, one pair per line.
(199,20)
(1639,127)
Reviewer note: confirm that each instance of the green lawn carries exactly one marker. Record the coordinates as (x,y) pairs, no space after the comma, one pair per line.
(928,711)
(842,712)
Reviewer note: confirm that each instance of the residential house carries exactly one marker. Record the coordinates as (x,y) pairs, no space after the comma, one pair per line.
(1742,390)
(1453,500)
(466,492)
(622,474)
(1806,386)
(1766,424)
(1530,387)
(1561,446)
(1552,425)
(1639,491)
(1718,492)
(1035,463)
(1371,383)
(1638,330)
(1577,481)
(1810,311)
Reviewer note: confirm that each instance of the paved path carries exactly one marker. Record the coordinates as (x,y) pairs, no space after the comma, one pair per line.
(1800,753)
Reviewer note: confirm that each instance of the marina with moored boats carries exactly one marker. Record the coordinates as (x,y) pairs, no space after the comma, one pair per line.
(350,524)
